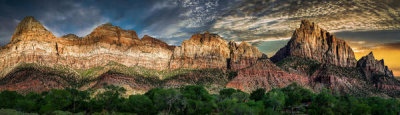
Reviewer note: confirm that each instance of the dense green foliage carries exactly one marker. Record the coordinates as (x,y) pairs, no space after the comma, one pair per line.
(194,99)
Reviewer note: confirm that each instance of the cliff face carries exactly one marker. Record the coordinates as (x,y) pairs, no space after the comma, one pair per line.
(243,55)
(313,58)
(310,41)
(371,67)
(211,51)
(201,51)
(32,43)
(31,29)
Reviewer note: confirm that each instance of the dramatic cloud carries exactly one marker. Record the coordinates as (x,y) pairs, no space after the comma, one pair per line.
(269,19)
(60,17)
(365,24)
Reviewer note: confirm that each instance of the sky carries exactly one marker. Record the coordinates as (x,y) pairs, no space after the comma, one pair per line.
(367,25)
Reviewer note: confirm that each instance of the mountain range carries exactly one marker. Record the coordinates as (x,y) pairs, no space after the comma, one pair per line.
(36,60)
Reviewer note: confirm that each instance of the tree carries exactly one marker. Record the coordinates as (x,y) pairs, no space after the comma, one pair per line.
(79,100)
(239,109)
(275,99)
(241,97)
(139,104)
(198,99)
(225,93)
(257,94)
(56,99)
(324,103)
(296,95)
(152,92)
(169,101)
(8,99)
(110,99)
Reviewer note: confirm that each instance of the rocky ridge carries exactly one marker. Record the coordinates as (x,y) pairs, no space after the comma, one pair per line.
(313,58)
(370,67)
(311,41)
(32,43)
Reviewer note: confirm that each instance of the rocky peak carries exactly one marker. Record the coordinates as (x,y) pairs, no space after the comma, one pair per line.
(311,41)
(108,29)
(153,42)
(243,55)
(71,37)
(201,51)
(370,66)
(29,28)
(109,33)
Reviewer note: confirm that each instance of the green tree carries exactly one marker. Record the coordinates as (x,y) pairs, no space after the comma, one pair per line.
(80,100)
(56,99)
(324,103)
(275,99)
(8,99)
(169,101)
(139,104)
(110,99)
(198,99)
(239,109)
(257,94)
(383,106)
(226,93)
(296,95)
(241,97)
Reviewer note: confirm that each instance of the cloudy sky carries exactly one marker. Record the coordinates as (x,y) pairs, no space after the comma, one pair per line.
(367,25)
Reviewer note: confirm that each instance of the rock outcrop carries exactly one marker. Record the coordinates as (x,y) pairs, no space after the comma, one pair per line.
(311,41)
(313,58)
(211,51)
(201,51)
(243,55)
(31,29)
(32,43)
(265,74)
(371,67)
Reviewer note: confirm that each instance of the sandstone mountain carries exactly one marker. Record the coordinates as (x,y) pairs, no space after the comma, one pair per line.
(36,60)
(265,74)
(371,67)
(311,41)
(211,51)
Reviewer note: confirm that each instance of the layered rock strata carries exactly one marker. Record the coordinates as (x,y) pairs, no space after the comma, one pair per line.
(311,41)
(265,74)
(33,43)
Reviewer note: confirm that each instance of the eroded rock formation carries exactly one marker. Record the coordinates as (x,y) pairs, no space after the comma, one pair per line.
(201,51)
(32,43)
(211,51)
(243,55)
(311,41)
(265,74)
(370,67)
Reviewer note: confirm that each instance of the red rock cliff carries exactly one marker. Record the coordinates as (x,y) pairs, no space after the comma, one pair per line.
(212,51)
(32,43)
(310,41)
(370,66)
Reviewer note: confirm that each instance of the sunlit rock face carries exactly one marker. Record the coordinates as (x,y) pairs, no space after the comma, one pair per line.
(310,41)
(32,43)
(243,55)
(370,67)
(201,51)
(211,51)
